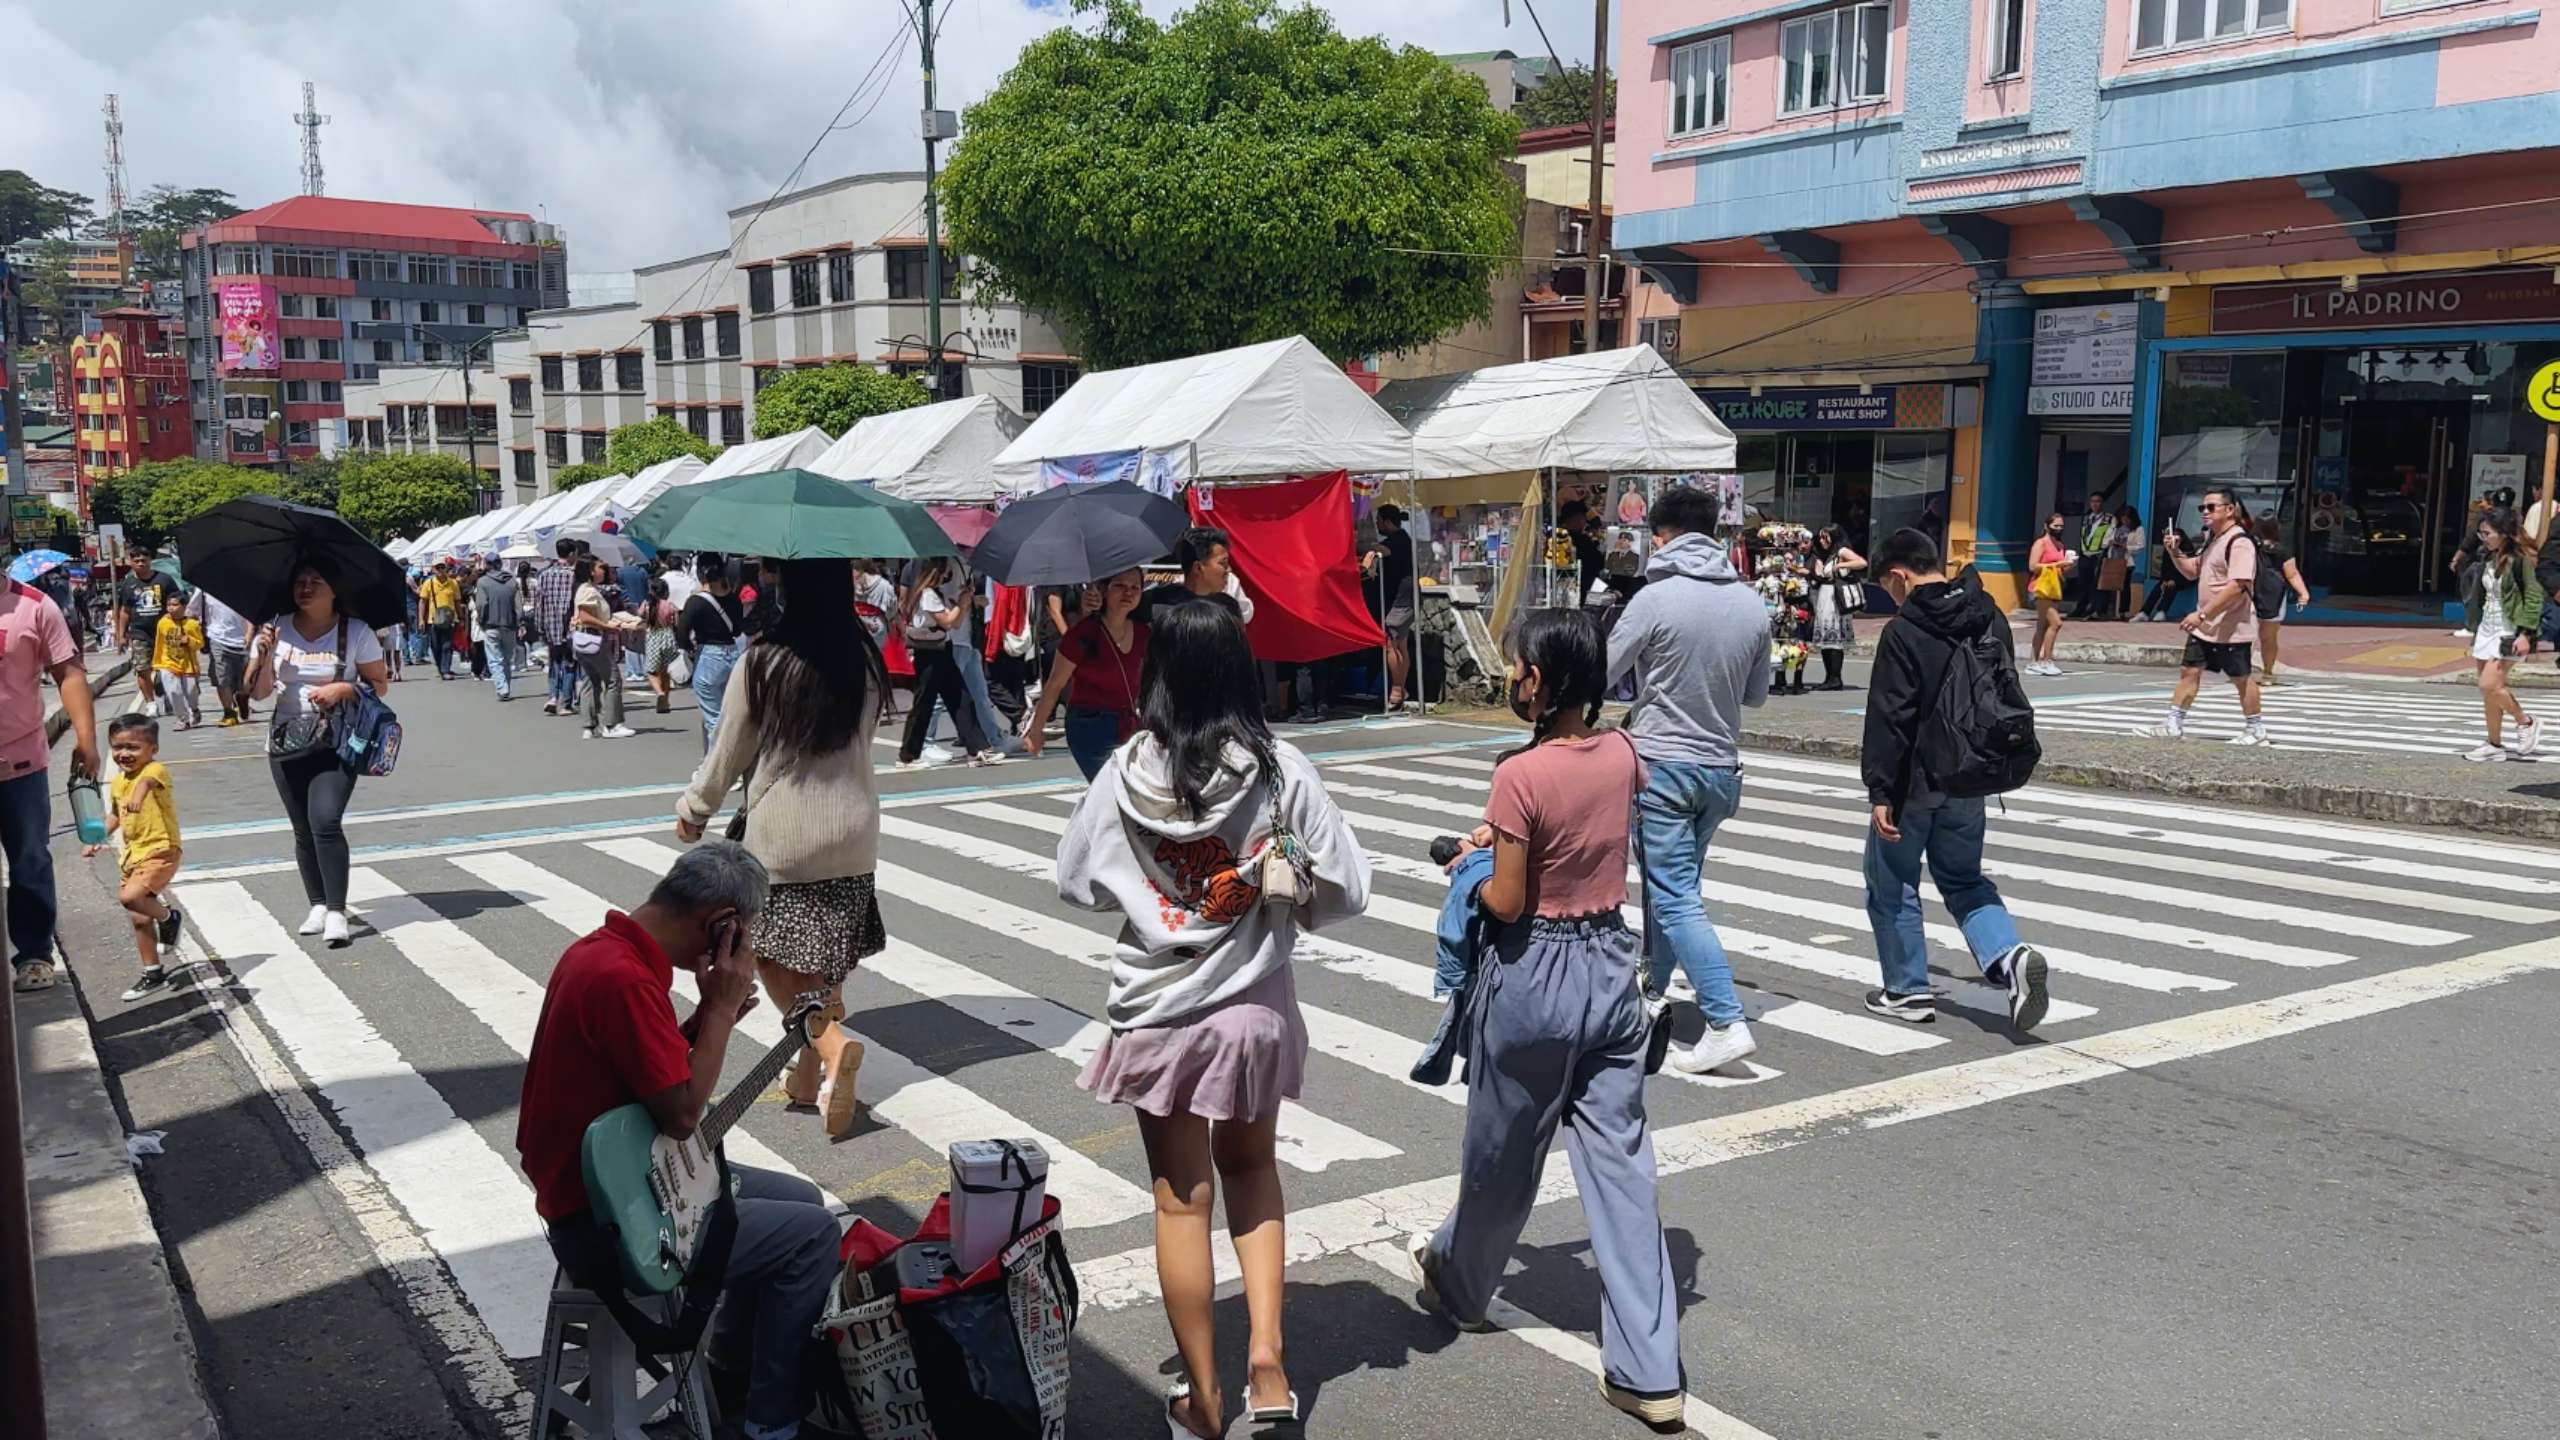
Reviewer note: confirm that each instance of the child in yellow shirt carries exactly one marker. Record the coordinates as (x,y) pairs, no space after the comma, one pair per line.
(143,811)
(176,648)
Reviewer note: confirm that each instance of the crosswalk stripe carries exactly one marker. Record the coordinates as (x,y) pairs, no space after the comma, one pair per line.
(470,1204)
(2176,897)
(932,1109)
(2286,735)
(501,996)
(1377,1050)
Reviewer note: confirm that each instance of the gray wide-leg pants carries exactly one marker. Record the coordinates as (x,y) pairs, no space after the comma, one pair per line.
(1558,1036)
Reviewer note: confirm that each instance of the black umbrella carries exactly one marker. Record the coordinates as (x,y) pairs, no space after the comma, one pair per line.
(245,551)
(1078,533)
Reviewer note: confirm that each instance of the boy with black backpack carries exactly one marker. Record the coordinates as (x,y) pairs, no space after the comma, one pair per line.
(1947,724)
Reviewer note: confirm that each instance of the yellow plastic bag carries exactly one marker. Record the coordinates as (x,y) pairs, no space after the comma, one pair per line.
(2049,583)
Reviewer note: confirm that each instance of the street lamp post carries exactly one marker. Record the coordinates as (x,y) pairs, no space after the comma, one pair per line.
(470,430)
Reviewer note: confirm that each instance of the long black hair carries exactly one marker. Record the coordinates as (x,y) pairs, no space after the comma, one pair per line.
(1564,647)
(813,676)
(1199,693)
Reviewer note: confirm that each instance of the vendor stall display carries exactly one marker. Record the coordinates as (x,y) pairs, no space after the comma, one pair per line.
(1782,571)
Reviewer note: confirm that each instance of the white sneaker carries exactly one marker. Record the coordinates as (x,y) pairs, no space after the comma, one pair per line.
(312,922)
(2528,738)
(2465,630)
(1716,1049)
(334,929)
(617,732)
(989,757)
(2162,732)
(2048,668)
(2489,754)
(936,755)
(2249,737)
(586,734)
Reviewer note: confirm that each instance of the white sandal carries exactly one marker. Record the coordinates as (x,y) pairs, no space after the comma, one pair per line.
(1175,1394)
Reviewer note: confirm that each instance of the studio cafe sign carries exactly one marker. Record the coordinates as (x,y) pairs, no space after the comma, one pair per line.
(2387,302)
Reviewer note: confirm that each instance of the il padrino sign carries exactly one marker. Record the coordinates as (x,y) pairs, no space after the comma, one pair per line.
(2387,302)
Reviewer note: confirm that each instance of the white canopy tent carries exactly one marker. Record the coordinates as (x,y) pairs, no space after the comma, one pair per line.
(631,495)
(782,452)
(424,543)
(933,454)
(544,516)
(1619,412)
(1278,408)
(480,530)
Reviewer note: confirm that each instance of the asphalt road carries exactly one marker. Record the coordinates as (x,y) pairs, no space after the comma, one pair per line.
(2281,1165)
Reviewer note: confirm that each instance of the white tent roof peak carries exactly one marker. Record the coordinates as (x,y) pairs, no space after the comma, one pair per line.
(932,454)
(1277,408)
(782,452)
(1618,412)
(630,493)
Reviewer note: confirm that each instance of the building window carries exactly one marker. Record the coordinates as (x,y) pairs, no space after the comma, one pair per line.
(1662,335)
(489,273)
(289,305)
(555,447)
(296,348)
(2174,24)
(379,310)
(590,374)
(384,352)
(664,335)
(733,425)
(1839,58)
(764,376)
(475,314)
(418,421)
(330,394)
(591,446)
(238,260)
(521,276)
(248,444)
(297,392)
(693,337)
(760,289)
(698,420)
(2005,48)
(431,351)
(804,283)
(426,270)
(307,264)
(430,312)
(524,467)
(906,273)
(1698,74)
(326,349)
(551,375)
(324,307)
(840,275)
(372,265)
(1043,384)
(726,322)
(520,395)
(626,371)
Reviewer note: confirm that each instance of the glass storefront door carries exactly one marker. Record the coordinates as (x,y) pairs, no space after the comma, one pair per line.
(1869,483)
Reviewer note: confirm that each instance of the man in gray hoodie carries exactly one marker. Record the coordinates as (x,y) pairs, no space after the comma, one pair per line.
(1698,640)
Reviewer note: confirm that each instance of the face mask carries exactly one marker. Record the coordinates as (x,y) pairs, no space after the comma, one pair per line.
(1520,701)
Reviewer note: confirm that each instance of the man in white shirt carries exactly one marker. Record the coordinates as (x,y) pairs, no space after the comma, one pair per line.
(226,633)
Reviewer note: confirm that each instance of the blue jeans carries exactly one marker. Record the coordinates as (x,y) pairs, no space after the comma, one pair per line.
(711,667)
(1091,737)
(501,648)
(26,817)
(563,676)
(973,678)
(1948,837)
(1676,816)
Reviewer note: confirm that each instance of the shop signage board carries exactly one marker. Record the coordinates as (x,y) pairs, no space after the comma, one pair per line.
(1811,408)
(2379,302)
(2083,361)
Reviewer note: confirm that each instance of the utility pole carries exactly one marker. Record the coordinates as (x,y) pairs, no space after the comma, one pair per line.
(1594,268)
(939,125)
(13,438)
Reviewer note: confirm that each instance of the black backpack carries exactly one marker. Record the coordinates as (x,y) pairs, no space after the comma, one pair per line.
(1977,734)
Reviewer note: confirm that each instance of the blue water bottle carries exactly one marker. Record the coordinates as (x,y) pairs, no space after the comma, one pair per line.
(88,810)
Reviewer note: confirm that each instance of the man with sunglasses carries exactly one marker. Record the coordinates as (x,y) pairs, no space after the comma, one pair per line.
(2224,623)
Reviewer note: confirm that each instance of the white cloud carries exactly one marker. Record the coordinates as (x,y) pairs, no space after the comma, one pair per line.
(635,125)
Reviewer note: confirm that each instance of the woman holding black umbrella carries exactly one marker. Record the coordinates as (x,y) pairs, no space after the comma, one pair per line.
(1096,674)
(310,662)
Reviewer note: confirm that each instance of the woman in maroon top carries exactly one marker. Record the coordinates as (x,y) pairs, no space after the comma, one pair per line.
(1096,676)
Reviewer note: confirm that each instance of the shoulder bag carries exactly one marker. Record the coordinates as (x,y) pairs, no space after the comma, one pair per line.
(308,732)
(1288,873)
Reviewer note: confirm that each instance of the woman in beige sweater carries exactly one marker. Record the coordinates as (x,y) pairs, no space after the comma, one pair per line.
(797,721)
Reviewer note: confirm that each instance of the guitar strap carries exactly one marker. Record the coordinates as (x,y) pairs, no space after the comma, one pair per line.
(589,1252)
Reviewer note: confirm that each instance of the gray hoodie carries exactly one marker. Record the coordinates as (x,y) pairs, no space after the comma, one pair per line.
(1194,930)
(1698,640)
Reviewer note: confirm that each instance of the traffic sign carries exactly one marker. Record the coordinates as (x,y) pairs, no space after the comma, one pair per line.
(2544,393)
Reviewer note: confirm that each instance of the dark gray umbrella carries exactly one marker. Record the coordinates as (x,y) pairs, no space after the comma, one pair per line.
(1078,533)
(245,551)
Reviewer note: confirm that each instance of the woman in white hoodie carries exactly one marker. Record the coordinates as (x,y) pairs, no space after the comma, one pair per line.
(1206,1040)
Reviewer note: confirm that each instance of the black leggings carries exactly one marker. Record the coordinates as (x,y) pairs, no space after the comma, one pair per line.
(938,678)
(315,789)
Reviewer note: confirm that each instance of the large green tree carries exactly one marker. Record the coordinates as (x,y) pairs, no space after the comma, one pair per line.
(833,398)
(1563,99)
(29,209)
(46,285)
(635,448)
(312,482)
(585,472)
(161,214)
(392,494)
(1241,173)
(197,487)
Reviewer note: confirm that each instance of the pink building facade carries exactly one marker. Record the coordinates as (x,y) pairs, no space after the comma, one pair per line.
(1960,263)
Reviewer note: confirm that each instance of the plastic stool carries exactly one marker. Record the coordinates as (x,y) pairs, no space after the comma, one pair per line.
(604,1399)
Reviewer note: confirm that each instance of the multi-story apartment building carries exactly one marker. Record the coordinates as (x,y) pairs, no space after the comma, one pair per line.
(288,305)
(1960,263)
(129,395)
(429,410)
(98,276)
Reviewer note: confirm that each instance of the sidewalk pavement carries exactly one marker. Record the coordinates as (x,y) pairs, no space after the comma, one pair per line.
(2430,653)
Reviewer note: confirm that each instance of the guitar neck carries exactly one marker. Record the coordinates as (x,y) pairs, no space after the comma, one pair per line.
(733,1106)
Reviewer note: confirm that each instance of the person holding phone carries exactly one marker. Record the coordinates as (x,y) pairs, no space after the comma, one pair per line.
(2511,605)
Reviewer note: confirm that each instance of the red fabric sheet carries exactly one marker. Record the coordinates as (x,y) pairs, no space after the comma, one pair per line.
(1300,530)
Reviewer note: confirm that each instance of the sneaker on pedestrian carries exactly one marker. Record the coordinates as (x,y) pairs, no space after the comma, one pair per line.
(1663,1408)
(1307,715)
(1716,1049)
(2250,737)
(2162,732)
(550,707)
(617,732)
(169,925)
(150,982)
(990,757)
(933,754)
(2489,754)
(587,734)
(1428,1294)
(312,922)
(2528,738)
(2465,630)
(1919,1009)
(2023,968)
(333,929)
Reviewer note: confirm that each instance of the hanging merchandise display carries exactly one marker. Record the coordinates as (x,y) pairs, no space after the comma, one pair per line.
(1782,571)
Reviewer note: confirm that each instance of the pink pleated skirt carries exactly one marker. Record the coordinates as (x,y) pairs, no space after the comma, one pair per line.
(1236,1061)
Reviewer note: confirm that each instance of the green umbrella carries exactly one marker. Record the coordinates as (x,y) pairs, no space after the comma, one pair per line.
(790,515)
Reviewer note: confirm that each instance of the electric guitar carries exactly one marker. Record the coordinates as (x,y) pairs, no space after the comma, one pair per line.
(654,1190)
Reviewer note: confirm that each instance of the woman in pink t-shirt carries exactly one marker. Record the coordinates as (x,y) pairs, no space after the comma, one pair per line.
(2048,572)
(1556,1025)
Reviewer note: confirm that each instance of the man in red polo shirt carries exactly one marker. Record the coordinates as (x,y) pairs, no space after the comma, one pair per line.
(608,1037)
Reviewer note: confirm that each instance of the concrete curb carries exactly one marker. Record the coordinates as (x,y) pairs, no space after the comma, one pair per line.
(55,722)
(2167,657)
(2392,807)
(119,1357)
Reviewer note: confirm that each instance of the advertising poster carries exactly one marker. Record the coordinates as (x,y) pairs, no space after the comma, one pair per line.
(247,312)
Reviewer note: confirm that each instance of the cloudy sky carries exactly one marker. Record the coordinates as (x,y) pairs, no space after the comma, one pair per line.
(636,124)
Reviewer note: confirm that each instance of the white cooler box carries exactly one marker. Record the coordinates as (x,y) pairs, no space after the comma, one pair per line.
(997,1189)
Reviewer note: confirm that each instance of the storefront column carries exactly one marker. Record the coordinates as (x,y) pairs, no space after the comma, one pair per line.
(2005,492)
